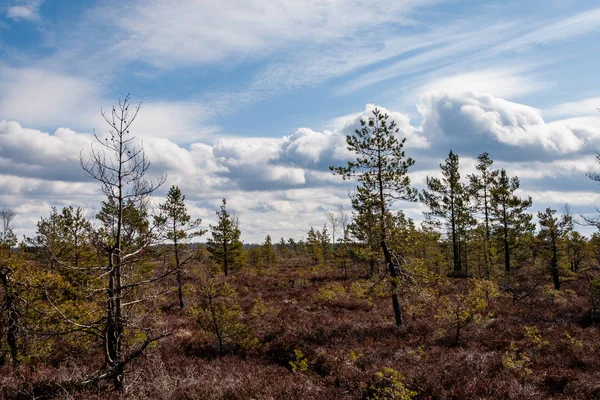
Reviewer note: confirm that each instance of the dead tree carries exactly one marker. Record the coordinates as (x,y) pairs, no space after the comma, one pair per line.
(119,164)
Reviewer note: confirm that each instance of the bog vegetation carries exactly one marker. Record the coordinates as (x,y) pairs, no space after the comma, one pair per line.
(143,301)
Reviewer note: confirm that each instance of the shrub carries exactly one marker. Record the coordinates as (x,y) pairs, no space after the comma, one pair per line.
(389,385)
(466,307)
(218,311)
(300,363)
(328,294)
(517,360)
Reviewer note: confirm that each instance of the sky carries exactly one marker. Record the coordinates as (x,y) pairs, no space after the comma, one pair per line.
(251,100)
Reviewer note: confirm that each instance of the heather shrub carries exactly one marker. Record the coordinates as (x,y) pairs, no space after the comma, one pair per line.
(330,293)
(389,384)
(300,361)
(518,358)
(218,311)
(468,306)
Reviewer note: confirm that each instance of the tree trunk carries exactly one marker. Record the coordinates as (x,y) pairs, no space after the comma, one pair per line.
(393,284)
(179,288)
(486,244)
(554,265)
(506,248)
(225,258)
(179,274)
(455,246)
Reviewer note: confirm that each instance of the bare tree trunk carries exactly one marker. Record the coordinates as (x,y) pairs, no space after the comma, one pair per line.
(13,316)
(178,272)
(554,265)
(393,284)
(506,247)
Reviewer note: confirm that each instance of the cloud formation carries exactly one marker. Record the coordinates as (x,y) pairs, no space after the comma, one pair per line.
(27,10)
(283,185)
(515,131)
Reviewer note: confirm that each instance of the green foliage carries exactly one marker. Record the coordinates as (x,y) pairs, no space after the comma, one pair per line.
(218,311)
(173,218)
(509,213)
(135,228)
(268,253)
(300,363)
(594,295)
(224,245)
(330,293)
(367,290)
(552,232)
(448,201)
(466,307)
(519,358)
(177,227)
(381,165)
(261,308)
(314,246)
(517,361)
(575,345)
(389,384)
(533,337)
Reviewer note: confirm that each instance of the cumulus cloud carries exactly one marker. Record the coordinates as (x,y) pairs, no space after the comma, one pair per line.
(283,185)
(458,120)
(580,108)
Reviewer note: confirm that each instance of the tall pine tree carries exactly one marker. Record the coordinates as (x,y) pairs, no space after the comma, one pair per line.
(481,185)
(381,169)
(509,213)
(448,201)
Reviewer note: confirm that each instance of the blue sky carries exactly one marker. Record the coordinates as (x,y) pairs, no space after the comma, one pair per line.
(251,99)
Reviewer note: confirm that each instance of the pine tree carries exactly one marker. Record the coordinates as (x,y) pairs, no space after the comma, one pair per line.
(120,165)
(282,249)
(551,233)
(508,211)
(224,246)
(267,251)
(447,200)
(481,185)
(325,242)
(364,228)
(313,246)
(381,169)
(179,228)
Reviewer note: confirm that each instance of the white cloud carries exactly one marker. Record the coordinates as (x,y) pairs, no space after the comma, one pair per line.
(282,186)
(46,99)
(584,107)
(463,118)
(444,53)
(37,97)
(500,82)
(181,122)
(559,30)
(209,32)
(27,10)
